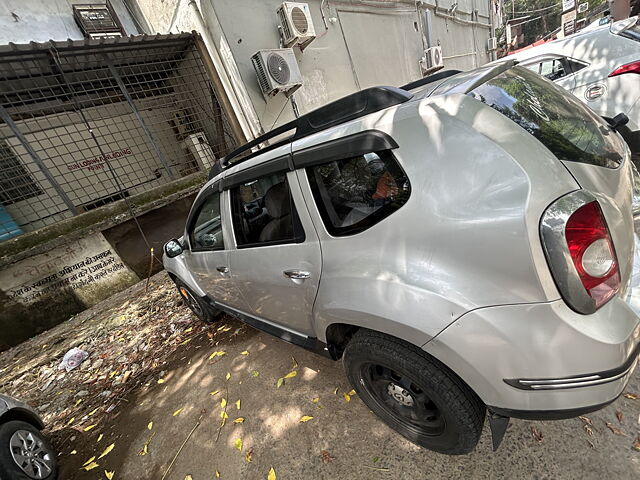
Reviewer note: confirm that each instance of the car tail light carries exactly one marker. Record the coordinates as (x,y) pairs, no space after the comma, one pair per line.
(633,67)
(592,252)
(580,251)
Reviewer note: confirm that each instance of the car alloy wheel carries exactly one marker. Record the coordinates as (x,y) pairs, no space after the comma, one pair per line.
(191,301)
(31,455)
(402,398)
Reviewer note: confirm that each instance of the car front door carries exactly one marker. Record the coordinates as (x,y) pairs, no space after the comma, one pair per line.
(207,256)
(276,262)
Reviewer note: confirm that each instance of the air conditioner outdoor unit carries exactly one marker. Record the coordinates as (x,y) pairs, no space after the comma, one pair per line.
(277,71)
(492,44)
(432,60)
(297,25)
(200,150)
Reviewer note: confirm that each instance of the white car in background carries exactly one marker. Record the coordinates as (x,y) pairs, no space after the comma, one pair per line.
(600,66)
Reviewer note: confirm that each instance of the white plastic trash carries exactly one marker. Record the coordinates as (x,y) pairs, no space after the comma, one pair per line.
(72,359)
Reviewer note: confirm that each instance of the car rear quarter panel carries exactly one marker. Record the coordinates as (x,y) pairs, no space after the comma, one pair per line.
(466,238)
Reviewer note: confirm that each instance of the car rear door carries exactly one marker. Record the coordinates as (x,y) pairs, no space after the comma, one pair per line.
(276,260)
(207,257)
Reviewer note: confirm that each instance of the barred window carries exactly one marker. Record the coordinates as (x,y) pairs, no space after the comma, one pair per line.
(16,183)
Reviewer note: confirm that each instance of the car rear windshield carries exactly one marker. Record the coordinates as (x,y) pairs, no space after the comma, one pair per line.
(557,119)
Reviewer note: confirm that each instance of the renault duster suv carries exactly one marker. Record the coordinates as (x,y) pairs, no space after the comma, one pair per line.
(465,244)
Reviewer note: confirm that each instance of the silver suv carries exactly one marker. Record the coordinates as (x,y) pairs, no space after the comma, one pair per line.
(464,244)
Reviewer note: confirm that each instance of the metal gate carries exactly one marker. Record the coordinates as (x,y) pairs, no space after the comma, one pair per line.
(86,123)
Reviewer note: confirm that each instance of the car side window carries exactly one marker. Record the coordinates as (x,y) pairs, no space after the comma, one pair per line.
(355,193)
(264,214)
(206,230)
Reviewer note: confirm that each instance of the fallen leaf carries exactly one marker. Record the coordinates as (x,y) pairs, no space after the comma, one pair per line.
(347,397)
(325,456)
(92,412)
(90,427)
(150,426)
(223,415)
(335,391)
(177,412)
(636,444)
(186,341)
(89,461)
(145,447)
(226,329)
(255,373)
(188,330)
(99,438)
(109,475)
(223,403)
(217,474)
(587,424)
(315,400)
(615,429)
(619,415)
(228,376)
(78,402)
(73,452)
(161,380)
(305,418)
(238,404)
(248,455)
(238,444)
(215,392)
(91,466)
(272,474)
(218,353)
(294,363)
(280,382)
(188,477)
(352,392)
(291,374)
(244,353)
(107,450)
(537,435)
(71,421)
(239,420)
(631,396)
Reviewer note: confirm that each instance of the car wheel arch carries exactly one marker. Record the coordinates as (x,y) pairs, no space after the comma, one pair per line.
(22,415)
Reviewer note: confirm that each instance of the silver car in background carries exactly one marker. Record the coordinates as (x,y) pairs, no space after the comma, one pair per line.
(463,245)
(25,454)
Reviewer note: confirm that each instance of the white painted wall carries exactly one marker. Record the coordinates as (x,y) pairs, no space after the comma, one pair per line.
(365,43)
(24,21)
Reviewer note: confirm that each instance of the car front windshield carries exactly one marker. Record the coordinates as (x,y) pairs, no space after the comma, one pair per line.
(559,121)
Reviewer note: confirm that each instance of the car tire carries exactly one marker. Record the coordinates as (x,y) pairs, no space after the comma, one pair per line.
(197,305)
(413,393)
(21,440)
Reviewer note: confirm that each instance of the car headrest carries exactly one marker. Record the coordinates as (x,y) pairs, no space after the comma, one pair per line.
(276,200)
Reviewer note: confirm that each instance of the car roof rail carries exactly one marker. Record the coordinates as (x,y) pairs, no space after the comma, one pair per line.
(430,79)
(348,108)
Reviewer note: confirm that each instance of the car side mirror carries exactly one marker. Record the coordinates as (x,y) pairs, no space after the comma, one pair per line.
(173,248)
(620,120)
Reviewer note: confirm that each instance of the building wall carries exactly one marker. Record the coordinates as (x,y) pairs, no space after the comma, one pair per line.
(24,21)
(364,44)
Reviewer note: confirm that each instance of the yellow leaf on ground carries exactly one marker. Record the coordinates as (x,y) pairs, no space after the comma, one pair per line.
(305,418)
(113,374)
(73,452)
(144,451)
(238,444)
(280,382)
(186,341)
(238,404)
(228,376)
(188,330)
(291,374)
(71,421)
(78,402)
(217,474)
(188,477)
(244,353)
(335,391)
(315,400)
(161,380)
(217,353)
(107,450)
(346,396)
(149,425)
(239,420)
(86,429)
(99,438)
(92,412)
(272,474)
(215,392)
(226,329)
(109,475)
(224,415)
(248,455)
(91,466)
(89,461)
(352,392)
(223,403)
(177,412)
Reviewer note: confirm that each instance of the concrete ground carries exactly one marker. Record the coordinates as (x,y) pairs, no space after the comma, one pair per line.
(342,440)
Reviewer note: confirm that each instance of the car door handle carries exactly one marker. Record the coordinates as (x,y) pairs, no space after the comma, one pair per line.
(297,274)
(222,269)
